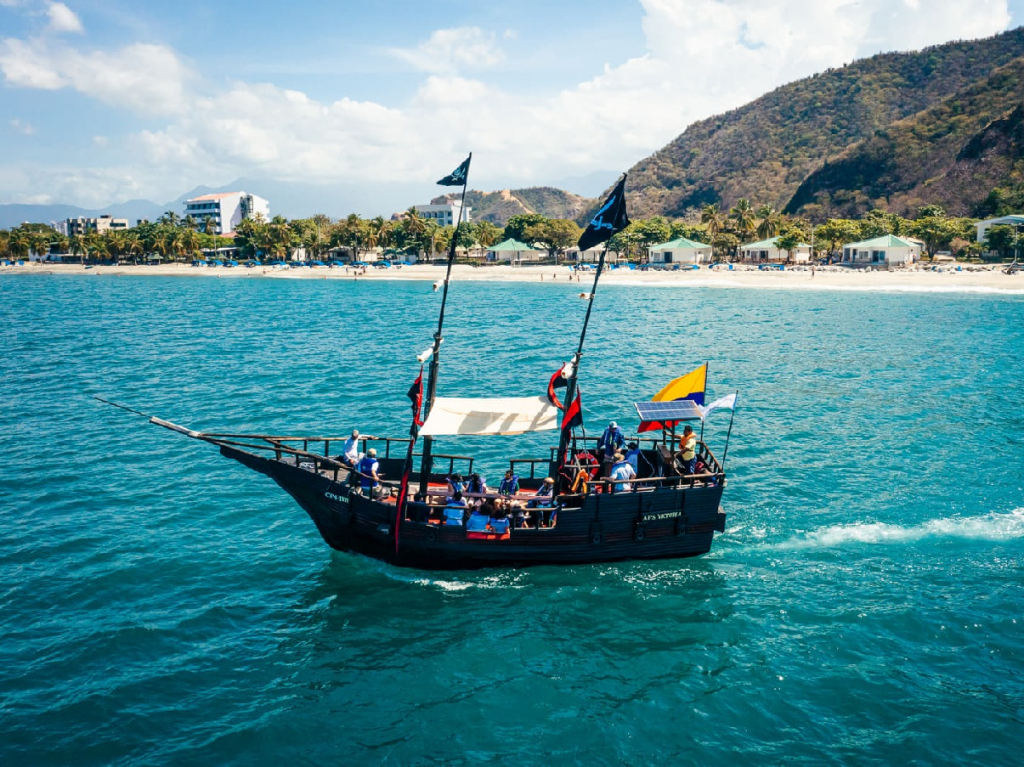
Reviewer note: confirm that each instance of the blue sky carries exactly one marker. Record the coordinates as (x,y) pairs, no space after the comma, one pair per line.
(109,100)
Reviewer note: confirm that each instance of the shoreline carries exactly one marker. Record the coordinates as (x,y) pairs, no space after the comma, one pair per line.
(971,279)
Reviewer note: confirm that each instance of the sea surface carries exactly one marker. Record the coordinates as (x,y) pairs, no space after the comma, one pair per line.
(160,604)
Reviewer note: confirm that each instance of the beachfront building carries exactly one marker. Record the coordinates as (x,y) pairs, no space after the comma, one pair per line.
(984,226)
(589,256)
(71,227)
(767,252)
(227,209)
(887,250)
(679,251)
(515,252)
(444,214)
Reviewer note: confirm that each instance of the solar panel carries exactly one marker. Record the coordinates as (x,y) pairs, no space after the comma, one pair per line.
(676,410)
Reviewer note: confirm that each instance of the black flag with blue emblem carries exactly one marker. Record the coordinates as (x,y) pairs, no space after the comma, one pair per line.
(458,176)
(609,220)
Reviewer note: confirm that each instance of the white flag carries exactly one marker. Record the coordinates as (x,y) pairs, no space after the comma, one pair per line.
(728,401)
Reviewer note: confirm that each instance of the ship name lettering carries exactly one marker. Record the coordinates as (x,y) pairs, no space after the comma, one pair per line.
(667,515)
(338,498)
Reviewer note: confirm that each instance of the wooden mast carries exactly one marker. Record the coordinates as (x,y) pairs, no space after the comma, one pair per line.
(602,231)
(427,462)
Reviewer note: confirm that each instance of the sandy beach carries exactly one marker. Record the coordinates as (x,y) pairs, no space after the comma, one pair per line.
(976,279)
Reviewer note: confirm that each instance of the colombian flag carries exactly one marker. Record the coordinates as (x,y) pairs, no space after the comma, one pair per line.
(690,386)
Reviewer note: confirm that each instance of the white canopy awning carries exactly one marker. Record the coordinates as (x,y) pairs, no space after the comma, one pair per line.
(491,415)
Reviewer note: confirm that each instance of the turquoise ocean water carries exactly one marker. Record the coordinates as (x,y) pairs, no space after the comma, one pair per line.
(160,604)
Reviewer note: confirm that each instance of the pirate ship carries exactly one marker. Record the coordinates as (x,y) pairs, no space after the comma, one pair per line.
(391,509)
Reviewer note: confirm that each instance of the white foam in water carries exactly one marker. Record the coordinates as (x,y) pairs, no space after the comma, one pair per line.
(990,527)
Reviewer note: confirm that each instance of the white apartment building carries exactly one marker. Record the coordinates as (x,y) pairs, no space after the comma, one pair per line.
(227,209)
(70,227)
(445,214)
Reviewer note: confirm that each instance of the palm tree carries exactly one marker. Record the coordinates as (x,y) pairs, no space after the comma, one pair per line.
(78,246)
(115,244)
(210,226)
(170,218)
(133,244)
(743,215)
(713,219)
(280,236)
(769,223)
(190,241)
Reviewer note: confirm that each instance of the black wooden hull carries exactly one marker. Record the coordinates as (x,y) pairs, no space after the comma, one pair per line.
(656,524)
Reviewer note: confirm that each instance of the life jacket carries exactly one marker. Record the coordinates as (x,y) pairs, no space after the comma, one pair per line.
(509,486)
(580,484)
(500,526)
(476,485)
(457,487)
(611,439)
(688,451)
(366,467)
(477,522)
(454,513)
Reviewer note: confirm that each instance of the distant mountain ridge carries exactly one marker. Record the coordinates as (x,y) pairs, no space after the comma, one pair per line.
(16,214)
(770,149)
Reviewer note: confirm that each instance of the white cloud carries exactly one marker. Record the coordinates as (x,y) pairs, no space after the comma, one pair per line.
(63,19)
(19,126)
(22,127)
(143,77)
(454,50)
(701,57)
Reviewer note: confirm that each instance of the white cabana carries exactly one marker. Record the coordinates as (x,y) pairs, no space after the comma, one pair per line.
(882,251)
(768,250)
(680,251)
(514,251)
(489,415)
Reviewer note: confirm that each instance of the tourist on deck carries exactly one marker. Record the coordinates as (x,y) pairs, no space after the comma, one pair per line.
(350,454)
(478,521)
(509,485)
(621,471)
(499,517)
(609,444)
(688,450)
(476,486)
(545,495)
(455,510)
(368,477)
(633,457)
(456,484)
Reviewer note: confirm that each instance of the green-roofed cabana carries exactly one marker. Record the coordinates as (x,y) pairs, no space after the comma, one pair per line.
(887,250)
(680,251)
(767,251)
(513,251)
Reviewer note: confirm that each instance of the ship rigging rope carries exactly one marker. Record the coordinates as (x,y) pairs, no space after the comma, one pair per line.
(123,407)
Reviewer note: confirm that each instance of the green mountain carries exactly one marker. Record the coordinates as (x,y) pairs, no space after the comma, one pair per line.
(952,154)
(893,130)
(498,207)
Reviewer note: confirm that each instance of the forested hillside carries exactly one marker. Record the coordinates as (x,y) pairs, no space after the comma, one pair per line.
(952,154)
(768,149)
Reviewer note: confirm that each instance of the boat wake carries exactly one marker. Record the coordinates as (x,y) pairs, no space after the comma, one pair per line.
(996,526)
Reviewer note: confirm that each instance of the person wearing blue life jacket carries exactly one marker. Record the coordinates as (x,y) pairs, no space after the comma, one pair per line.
(608,445)
(499,518)
(367,468)
(545,495)
(633,457)
(478,521)
(476,484)
(509,485)
(456,484)
(455,510)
